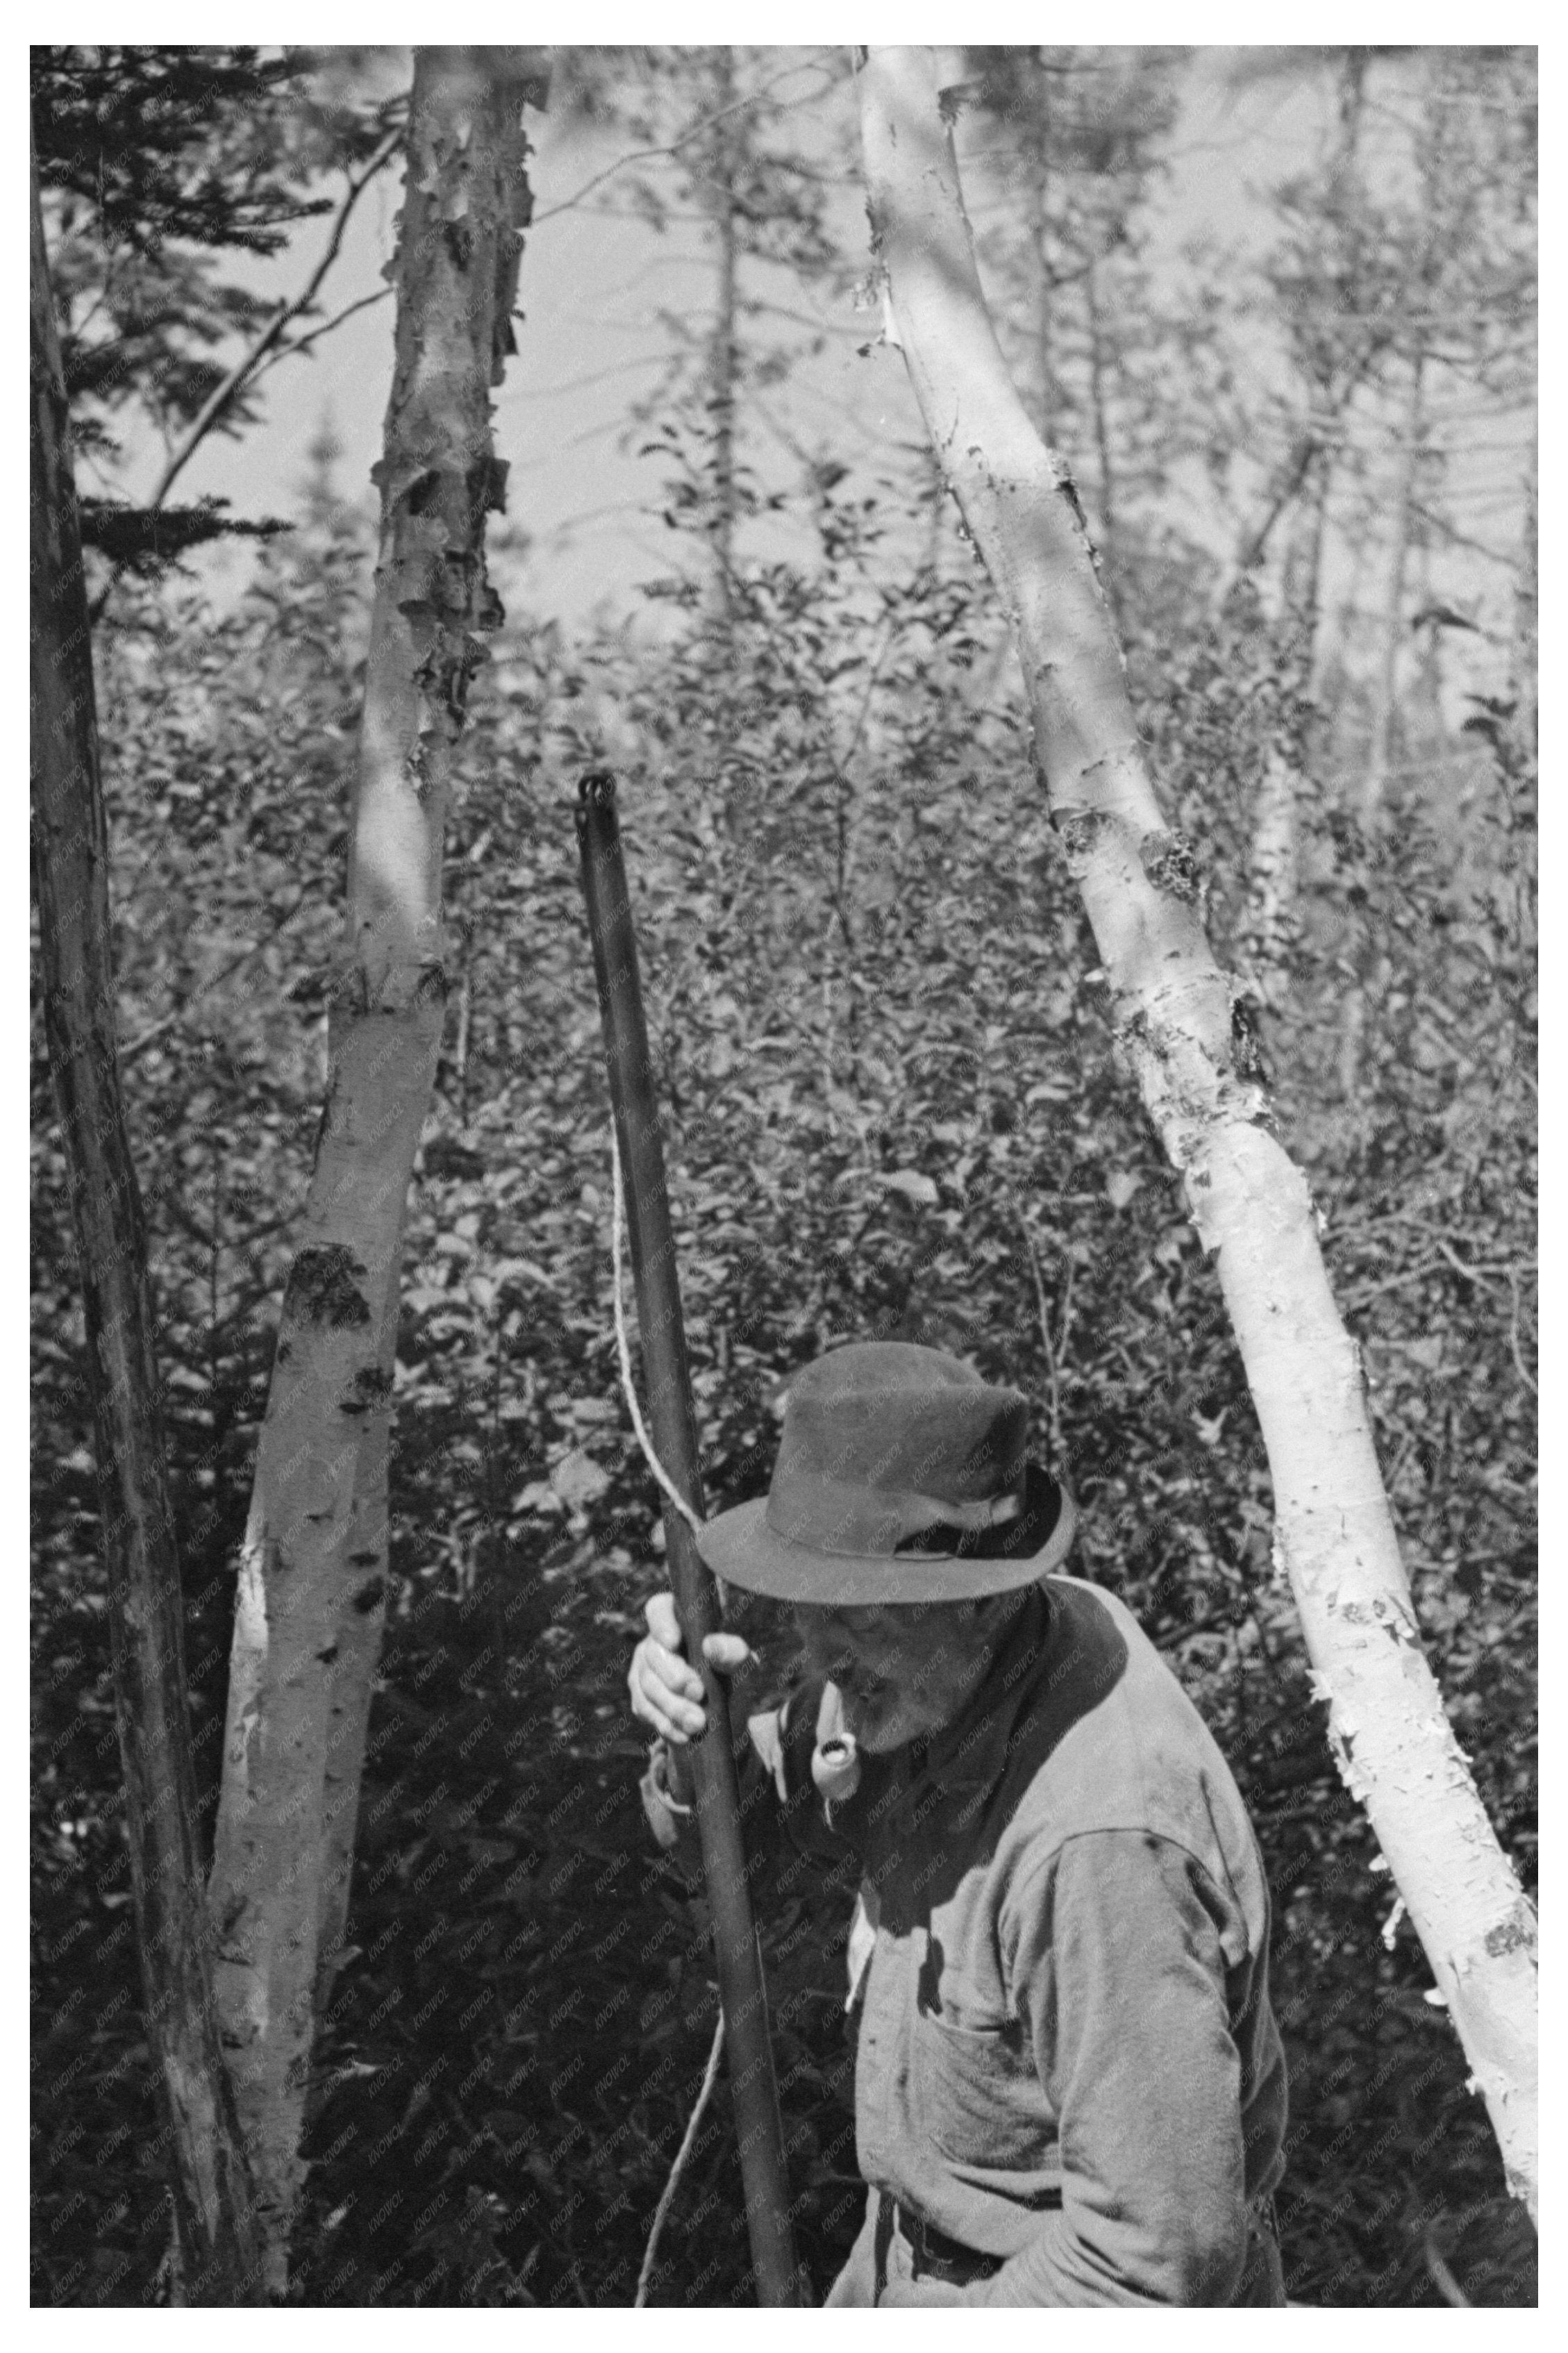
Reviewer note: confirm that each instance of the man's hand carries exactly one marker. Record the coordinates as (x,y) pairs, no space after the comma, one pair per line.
(666,1692)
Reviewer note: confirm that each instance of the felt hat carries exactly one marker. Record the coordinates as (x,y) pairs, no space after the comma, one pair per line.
(901,1476)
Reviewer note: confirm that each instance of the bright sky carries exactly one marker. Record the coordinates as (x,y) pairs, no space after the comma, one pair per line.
(594,287)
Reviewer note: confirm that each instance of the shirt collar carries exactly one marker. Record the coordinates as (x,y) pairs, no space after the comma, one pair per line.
(970,1753)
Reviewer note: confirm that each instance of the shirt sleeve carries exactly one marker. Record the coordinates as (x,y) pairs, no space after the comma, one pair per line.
(1119,1975)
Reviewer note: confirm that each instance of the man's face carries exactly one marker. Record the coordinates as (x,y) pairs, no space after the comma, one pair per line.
(903,1672)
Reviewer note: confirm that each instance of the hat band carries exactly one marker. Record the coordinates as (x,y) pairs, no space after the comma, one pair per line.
(839,1517)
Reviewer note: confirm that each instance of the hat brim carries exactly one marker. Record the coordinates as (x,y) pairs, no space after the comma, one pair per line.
(740,1547)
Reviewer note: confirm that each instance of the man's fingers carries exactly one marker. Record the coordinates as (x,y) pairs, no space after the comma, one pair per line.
(671,1670)
(688,1726)
(666,1691)
(672,1717)
(663,1622)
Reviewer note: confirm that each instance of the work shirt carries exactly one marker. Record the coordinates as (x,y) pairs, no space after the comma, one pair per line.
(1066,2056)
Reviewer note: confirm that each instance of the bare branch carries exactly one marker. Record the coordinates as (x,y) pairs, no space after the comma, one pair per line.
(710,2076)
(1513,1336)
(1053,1370)
(1294,474)
(1442,2279)
(648,155)
(150,1037)
(1218,1621)
(303,343)
(245,367)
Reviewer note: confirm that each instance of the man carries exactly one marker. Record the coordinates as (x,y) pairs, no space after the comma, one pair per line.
(1069,2088)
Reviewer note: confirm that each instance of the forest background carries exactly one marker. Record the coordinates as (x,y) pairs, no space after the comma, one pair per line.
(1306,452)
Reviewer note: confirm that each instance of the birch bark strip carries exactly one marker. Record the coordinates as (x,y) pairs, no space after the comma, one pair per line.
(313,1568)
(1334,1537)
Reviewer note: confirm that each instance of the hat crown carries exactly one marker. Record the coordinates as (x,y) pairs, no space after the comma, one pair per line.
(902,1477)
(901,1420)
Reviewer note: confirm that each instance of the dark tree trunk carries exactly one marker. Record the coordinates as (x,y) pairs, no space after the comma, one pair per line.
(208,2176)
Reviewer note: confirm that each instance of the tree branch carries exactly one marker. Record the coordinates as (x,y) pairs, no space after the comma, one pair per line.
(1442,2279)
(1052,1370)
(303,343)
(150,1037)
(1296,468)
(651,155)
(1218,1621)
(1513,1336)
(245,367)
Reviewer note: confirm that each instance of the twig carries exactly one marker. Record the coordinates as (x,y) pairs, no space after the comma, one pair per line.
(1291,479)
(684,1508)
(246,365)
(303,343)
(1355,1300)
(1063,1327)
(1223,1617)
(1515,1617)
(649,155)
(1447,2286)
(1470,1273)
(617,1219)
(709,2078)
(845,797)
(889,631)
(1056,1387)
(1513,1335)
(150,1037)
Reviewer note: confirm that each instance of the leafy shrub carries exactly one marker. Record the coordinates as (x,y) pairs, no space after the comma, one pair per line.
(891,1107)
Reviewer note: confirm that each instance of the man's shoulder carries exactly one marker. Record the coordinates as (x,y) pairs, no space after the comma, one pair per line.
(1098,1672)
(1098,1647)
(1109,1741)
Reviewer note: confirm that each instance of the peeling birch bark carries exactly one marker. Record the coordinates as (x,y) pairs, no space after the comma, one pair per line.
(1334,1535)
(312,1579)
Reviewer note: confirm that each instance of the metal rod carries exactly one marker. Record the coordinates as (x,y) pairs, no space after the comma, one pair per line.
(672,1422)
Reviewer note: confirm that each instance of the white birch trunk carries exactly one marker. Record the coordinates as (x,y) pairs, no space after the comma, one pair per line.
(1334,1536)
(312,1572)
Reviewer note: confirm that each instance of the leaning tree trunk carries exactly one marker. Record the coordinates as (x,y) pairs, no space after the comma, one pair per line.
(313,1568)
(723,355)
(1334,1535)
(214,2203)
(1385,703)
